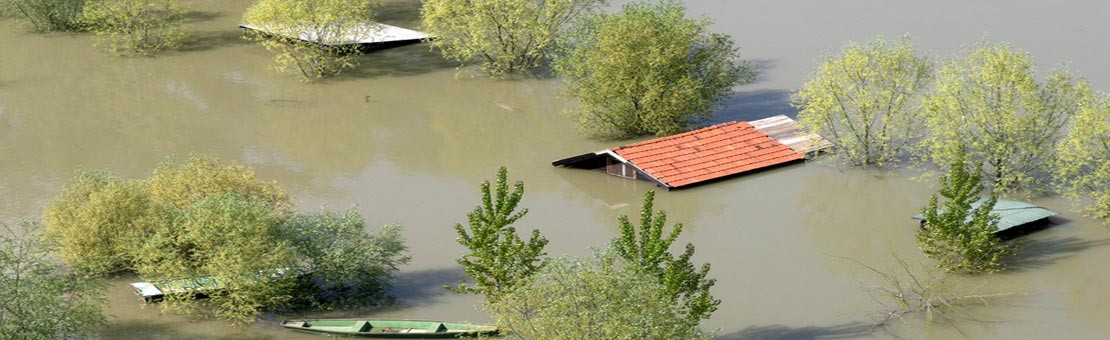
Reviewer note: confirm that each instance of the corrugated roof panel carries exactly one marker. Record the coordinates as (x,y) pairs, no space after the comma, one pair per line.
(1010,213)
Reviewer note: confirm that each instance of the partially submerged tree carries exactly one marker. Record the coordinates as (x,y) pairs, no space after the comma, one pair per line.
(499,259)
(961,237)
(597,298)
(506,36)
(647,249)
(48,15)
(648,69)
(312,38)
(990,103)
(1083,169)
(343,265)
(136,27)
(866,100)
(41,300)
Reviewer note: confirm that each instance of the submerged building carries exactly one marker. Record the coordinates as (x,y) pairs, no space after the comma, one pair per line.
(711,153)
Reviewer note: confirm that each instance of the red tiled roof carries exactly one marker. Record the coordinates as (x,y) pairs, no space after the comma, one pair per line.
(709,153)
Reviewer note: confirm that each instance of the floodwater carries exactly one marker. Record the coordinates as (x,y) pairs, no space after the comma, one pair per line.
(403,140)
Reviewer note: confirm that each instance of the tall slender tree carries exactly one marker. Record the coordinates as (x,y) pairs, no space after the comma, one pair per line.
(499,259)
(647,249)
(1083,169)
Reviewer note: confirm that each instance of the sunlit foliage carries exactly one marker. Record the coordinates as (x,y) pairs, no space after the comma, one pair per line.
(646,248)
(1083,170)
(505,36)
(499,259)
(47,15)
(959,237)
(596,298)
(866,100)
(136,27)
(309,37)
(990,103)
(647,69)
(41,300)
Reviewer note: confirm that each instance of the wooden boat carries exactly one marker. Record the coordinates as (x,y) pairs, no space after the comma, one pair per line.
(366,328)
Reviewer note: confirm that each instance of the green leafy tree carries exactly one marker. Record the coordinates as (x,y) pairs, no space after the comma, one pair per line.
(591,299)
(42,300)
(343,265)
(48,15)
(310,37)
(95,218)
(990,102)
(1083,170)
(181,184)
(237,242)
(506,36)
(499,259)
(954,233)
(647,248)
(647,70)
(136,27)
(866,100)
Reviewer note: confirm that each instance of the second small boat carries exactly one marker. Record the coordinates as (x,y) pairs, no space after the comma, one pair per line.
(366,328)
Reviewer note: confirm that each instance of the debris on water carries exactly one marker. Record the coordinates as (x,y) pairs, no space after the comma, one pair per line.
(506,107)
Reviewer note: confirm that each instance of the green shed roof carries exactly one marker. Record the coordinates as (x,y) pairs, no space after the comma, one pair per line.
(1010,213)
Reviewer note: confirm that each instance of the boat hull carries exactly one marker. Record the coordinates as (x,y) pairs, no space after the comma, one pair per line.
(389,329)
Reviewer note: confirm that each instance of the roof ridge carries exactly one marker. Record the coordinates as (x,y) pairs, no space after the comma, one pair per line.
(684,134)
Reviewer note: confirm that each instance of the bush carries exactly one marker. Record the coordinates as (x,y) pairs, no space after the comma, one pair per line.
(96,218)
(48,15)
(40,299)
(203,218)
(506,36)
(328,21)
(136,27)
(648,70)
(343,265)
(591,299)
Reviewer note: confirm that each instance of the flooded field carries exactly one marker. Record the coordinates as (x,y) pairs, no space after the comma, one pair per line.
(403,140)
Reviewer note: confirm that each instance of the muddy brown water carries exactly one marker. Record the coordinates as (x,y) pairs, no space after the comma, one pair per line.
(404,140)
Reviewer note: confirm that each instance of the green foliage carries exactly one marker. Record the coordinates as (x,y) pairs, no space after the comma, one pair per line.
(40,299)
(990,103)
(48,15)
(232,239)
(343,265)
(204,218)
(136,27)
(507,36)
(498,260)
(867,101)
(648,250)
(95,218)
(591,299)
(325,22)
(648,69)
(960,237)
(1083,170)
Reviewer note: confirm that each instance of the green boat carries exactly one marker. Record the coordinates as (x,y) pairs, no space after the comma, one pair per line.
(365,328)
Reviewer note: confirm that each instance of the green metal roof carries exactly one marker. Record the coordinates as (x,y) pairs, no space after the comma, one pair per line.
(1010,213)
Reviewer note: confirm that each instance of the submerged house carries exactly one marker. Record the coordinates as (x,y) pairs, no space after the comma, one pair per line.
(711,153)
(369,37)
(1014,218)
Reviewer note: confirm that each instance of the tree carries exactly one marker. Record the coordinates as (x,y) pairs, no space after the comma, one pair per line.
(48,15)
(591,299)
(330,24)
(958,235)
(95,218)
(343,265)
(648,250)
(506,36)
(181,184)
(498,260)
(647,70)
(41,299)
(1083,168)
(136,27)
(990,103)
(867,101)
